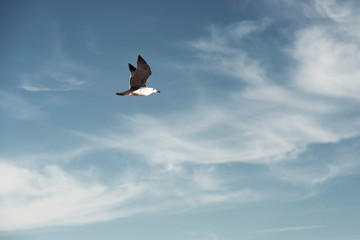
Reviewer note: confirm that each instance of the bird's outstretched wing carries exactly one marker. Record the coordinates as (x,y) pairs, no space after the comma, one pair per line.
(140,75)
(132,71)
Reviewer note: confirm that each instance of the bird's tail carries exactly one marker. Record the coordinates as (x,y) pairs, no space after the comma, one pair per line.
(123,93)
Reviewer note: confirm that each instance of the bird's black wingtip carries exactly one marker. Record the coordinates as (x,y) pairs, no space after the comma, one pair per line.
(131,67)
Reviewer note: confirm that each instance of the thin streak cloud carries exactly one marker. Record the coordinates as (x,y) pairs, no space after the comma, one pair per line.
(55,76)
(287,229)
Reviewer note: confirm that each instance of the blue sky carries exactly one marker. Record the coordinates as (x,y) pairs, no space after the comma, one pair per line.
(255,134)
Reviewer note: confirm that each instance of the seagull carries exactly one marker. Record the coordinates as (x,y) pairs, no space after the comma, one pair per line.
(138,77)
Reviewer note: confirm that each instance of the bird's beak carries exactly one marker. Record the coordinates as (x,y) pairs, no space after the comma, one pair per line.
(158,91)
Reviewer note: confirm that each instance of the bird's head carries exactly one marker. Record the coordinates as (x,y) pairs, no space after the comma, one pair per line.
(153,90)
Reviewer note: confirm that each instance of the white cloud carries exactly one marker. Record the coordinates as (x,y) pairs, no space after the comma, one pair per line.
(328,65)
(246,28)
(215,134)
(51,196)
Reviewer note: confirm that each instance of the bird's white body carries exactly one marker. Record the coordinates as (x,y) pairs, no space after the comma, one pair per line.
(143,92)
(138,78)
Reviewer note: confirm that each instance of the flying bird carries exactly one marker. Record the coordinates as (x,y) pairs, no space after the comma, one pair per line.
(138,77)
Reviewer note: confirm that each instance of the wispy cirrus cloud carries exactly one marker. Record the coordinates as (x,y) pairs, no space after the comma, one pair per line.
(222,53)
(221,38)
(50,195)
(59,75)
(327,9)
